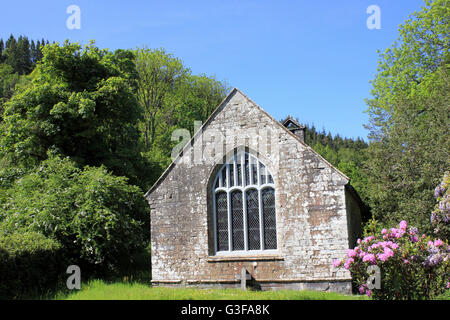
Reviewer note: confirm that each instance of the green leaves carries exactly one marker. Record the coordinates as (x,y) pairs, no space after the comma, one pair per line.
(96,216)
(409,119)
(82,104)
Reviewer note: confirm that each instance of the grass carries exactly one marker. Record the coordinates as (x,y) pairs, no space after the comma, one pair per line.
(101,290)
(134,284)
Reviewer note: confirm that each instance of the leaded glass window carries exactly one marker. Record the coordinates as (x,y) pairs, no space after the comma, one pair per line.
(244,206)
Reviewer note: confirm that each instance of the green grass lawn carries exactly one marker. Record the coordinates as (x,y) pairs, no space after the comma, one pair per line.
(101,290)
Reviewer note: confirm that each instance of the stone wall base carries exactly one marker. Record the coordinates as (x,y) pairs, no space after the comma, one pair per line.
(340,286)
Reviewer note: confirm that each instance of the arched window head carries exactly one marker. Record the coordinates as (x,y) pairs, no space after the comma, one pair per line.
(244,206)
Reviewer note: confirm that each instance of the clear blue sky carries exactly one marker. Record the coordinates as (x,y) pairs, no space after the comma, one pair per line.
(309,59)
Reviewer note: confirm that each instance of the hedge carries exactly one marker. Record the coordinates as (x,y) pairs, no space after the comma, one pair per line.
(29,264)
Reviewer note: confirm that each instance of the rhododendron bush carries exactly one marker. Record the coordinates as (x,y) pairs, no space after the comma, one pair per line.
(440,217)
(412,265)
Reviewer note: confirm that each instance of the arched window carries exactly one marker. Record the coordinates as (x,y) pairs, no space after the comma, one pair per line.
(244,206)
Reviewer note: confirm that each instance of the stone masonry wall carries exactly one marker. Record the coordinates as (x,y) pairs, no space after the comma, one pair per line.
(311,214)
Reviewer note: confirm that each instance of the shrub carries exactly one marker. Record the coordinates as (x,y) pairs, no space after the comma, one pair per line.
(95,216)
(440,217)
(413,266)
(29,263)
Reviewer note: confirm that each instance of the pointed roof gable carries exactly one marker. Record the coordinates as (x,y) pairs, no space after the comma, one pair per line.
(232,93)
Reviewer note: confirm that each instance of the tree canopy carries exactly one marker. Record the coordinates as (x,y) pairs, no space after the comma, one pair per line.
(409,118)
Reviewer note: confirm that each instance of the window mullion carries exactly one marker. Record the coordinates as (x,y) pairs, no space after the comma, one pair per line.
(230,235)
(236,182)
(258,178)
(244,211)
(243,171)
(216,243)
(250,169)
(261,222)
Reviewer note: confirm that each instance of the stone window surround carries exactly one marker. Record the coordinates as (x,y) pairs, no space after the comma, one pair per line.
(244,255)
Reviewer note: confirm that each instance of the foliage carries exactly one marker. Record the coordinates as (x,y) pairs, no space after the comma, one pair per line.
(170,98)
(413,266)
(81,104)
(98,218)
(440,217)
(21,54)
(29,262)
(409,116)
(159,73)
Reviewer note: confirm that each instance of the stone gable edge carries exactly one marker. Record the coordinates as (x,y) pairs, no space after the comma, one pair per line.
(211,117)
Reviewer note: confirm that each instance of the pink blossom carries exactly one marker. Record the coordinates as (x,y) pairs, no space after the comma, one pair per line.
(382,256)
(369,293)
(368,239)
(362,289)
(351,253)
(388,252)
(348,263)
(336,263)
(448,285)
(369,258)
(403,225)
(384,231)
(405,261)
(438,242)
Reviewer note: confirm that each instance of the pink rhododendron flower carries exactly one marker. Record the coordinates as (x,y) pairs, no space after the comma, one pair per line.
(348,263)
(388,252)
(384,231)
(382,256)
(368,239)
(369,293)
(438,242)
(369,258)
(351,253)
(336,263)
(403,225)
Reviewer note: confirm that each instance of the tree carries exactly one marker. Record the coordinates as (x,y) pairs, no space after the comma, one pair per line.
(81,105)
(409,119)
(2,48)
(97,217)
(159,74)
(170,98)
(23,64)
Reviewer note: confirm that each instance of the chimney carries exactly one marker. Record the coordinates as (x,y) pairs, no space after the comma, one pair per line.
(295,127)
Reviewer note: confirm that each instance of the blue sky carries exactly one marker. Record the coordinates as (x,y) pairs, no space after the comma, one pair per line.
(308,59)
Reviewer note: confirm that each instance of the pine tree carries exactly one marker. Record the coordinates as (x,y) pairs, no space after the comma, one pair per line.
(23,62)
(10,52)
(2,47)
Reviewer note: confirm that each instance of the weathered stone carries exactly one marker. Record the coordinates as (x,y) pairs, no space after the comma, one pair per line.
(317,216)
